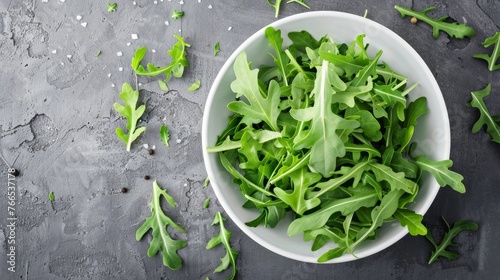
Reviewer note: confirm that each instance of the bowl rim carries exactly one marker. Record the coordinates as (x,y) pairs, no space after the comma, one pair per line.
(210,170)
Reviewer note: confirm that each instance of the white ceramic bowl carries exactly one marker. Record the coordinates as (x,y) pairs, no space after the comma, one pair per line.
(432,133)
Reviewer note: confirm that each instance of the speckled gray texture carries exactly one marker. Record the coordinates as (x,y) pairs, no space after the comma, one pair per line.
(57,123)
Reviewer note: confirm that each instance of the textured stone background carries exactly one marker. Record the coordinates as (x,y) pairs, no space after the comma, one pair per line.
(57,123)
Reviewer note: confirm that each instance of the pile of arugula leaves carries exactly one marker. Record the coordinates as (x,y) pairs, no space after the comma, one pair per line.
(325,133)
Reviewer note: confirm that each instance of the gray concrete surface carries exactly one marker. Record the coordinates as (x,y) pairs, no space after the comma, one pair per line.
(57,123)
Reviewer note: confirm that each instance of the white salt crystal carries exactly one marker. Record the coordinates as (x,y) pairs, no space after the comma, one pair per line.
(69,56)
(166,22)
(119,53)
(134,36)
(120,69)
(146,146)
(54,51)
(229,28)
(210,6)
(78,17)
(84,24)
(153,50)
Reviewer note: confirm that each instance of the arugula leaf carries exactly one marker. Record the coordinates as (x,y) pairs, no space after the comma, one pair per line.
(281,60)
(440,171)
(454,29)
(302,180)
(302,40)
(131,113)
(112,7)
(158,222)
(411,220)
(206,203)
(246,84)
(441,249)
(195,86)
(98,53)
(206,183)
(223,237)
(332,254)
(176,67)
(301,2)
(397,181)
(317,219)
(163,86)
(485,117)
(164,135)
(493,58)
(51,196)
(216,48)
(276,6)
(326,146)
(138,56)
(387,208)
(177,14)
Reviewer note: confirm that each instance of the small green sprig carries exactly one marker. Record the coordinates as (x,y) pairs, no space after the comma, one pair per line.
(131,113)
(441,249)
(493,58)
(454,29)
(158,222)
(112,7)
(485,118)
(223,237)
(175,68)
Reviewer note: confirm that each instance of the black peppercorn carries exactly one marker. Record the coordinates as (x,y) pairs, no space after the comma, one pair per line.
(15,172)
(123,190)
(151,151)
(147,177)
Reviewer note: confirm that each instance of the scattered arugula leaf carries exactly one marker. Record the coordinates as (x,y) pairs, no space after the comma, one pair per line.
(216,48)
(223,237)
(163,86)
(138,56)
(454,29)
(206,203)
(195,85)
(325,133)
(112,7)
(131,113)
(493,58)
(206,183)
(441,249)
(158,222)
(98,53)
(301,2)
(51,196)
(277,5)
(175,68)
(177,14)
(485,118)
(164,135)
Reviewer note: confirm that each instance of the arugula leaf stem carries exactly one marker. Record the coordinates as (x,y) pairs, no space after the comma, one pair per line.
(303,162)
(334,183)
